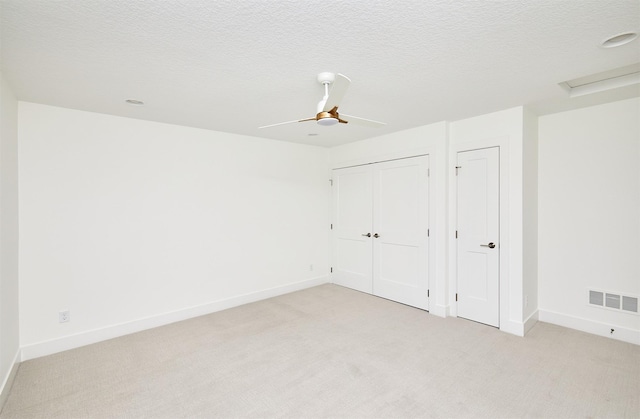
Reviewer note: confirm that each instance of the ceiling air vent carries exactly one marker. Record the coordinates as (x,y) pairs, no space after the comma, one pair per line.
(609,300)
(607,80)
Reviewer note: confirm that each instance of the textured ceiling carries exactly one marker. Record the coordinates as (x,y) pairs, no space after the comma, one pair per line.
(235,65)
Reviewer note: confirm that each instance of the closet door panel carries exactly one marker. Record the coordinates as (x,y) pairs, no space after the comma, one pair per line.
(400,221)
(352,222)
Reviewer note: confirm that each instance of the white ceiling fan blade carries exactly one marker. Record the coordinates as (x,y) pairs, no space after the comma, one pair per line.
(361,121)
(338,89)
(285,123)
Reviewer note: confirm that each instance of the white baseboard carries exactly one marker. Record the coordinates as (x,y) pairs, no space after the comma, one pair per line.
(519,328)
(590,326)
(438,310)
(513,327)
(7,383)
(530,321)
(49,347)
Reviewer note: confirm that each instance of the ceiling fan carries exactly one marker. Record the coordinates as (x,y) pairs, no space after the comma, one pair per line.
(328,107)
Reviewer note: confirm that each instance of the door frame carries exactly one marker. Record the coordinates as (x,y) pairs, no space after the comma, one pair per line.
(432,224)
(502,143)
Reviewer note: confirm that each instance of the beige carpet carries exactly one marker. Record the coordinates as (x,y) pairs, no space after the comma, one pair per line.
(333,352)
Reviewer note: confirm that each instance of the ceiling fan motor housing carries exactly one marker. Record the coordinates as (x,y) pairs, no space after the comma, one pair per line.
(326,119)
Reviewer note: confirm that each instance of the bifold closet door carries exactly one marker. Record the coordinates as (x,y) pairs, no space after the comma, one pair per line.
(380,229)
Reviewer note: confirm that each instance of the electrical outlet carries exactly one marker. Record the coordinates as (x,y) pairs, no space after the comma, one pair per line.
(64,316)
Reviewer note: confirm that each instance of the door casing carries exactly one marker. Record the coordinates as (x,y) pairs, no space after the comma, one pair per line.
(505,289)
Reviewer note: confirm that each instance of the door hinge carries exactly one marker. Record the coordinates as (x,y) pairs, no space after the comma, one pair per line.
(428,172)
(458,167)
(456,296)
(428,233)
(427,293)
(456,234)
(331,182)
(332,272)
(331,226)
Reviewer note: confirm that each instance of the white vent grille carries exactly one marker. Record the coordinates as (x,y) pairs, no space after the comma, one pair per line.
(600,82)
(596,298)
(630,304)
(613,301)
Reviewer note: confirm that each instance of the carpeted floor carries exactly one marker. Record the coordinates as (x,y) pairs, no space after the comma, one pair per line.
(332,352)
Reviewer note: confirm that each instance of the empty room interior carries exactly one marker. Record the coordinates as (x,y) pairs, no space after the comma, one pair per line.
(299,209)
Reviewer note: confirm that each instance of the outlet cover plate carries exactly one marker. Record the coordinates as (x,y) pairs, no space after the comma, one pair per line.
(64,316)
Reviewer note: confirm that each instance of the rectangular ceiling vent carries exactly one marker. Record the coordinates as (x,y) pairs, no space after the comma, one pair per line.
(607,80)
(619,302)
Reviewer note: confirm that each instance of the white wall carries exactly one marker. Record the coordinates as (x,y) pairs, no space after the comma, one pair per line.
(130,224)
(412,142)
(9,336)
(589,215)
(431,140)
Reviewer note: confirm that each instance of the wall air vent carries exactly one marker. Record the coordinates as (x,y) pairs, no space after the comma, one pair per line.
(596,298)
(630,304)
(607,80)
(613,301)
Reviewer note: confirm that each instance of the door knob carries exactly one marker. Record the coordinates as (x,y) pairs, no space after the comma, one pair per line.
(490,245)
(376,235)
(367,235)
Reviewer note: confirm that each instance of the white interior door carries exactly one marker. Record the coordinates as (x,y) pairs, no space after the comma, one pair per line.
(352,222)
(478,249)
(400,227)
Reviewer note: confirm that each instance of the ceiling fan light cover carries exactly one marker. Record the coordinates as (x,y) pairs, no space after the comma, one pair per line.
(327,122)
